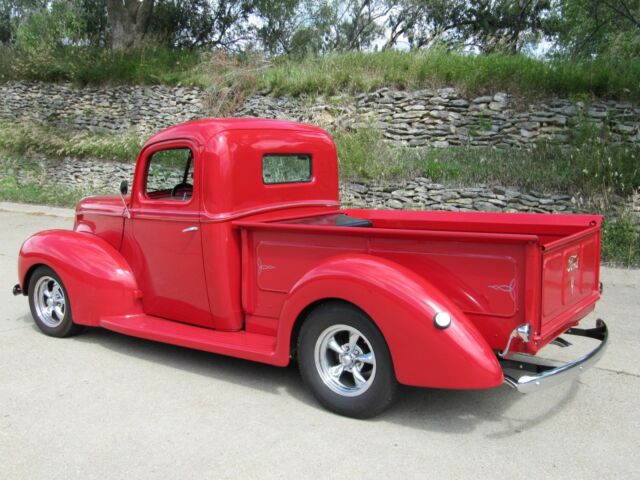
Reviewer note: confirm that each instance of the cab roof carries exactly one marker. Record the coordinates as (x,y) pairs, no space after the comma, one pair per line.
(204,129)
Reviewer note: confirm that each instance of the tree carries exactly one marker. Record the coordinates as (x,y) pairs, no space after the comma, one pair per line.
(595,27)
(503,25)
(12,12)
(280,21)
(201,23)
(129,20)
(423,22)
(353,24)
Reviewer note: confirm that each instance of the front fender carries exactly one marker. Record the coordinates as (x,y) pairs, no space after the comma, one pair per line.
(402,304)
(98,279)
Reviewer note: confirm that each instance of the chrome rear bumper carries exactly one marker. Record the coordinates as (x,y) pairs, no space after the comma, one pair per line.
(538,375)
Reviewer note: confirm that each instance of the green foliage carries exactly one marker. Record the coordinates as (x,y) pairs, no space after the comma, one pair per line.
(620,242)
(474,74)
(44,30)
(20,139)
(351,72)
(595,27)
(86,65)
(32,192)
(595,169)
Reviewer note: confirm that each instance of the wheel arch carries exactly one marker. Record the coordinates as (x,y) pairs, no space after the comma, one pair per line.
(401,305)
(27,277)
(97,278)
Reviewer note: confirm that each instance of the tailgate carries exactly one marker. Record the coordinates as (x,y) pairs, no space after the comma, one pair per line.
(570,279)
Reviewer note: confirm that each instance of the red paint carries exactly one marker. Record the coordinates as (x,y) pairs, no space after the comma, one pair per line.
(259,255)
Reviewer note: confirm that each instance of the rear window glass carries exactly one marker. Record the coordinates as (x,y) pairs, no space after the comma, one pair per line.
(286,168)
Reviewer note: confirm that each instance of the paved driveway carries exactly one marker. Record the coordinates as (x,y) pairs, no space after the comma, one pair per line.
(102,405)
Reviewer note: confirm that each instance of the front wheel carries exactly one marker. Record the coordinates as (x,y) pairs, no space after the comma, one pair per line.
(49,303)
(345,361)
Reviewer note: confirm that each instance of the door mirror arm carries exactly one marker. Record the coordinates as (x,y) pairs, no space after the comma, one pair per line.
(124,188)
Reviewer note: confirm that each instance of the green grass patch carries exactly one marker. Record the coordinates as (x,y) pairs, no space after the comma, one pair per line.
(338,73)
(12,190)
(620,242)
(595,168)
(473,74)
(100,66)
(20,139)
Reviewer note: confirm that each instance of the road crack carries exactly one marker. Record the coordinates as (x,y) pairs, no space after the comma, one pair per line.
(619,372)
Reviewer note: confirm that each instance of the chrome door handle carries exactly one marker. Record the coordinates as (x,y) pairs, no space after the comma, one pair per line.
(190,229)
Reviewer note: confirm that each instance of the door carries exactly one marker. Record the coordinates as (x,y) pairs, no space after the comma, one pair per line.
(166,232)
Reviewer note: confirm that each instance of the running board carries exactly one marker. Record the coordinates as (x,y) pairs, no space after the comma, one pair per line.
(241,344)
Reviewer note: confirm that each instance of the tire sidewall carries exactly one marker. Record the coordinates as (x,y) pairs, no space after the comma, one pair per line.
(381,392)
(66,327)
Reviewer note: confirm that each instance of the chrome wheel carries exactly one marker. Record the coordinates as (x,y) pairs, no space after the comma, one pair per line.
(49,301)
(345,360)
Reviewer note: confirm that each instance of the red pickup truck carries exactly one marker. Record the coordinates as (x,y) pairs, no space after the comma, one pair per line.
(233,241)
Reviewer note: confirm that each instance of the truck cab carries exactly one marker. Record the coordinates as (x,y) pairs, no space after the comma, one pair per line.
(232,240)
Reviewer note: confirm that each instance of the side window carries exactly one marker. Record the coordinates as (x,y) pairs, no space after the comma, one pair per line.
(286,168)
(170,175)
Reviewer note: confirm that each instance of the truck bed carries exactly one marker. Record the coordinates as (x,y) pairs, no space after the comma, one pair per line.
(502,270)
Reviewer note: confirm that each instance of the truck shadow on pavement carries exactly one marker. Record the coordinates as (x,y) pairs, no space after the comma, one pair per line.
(497,413)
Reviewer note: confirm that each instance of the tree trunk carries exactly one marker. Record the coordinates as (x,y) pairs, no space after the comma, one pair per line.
(129,20)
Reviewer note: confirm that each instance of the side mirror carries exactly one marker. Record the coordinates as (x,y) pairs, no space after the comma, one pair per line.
(124,187)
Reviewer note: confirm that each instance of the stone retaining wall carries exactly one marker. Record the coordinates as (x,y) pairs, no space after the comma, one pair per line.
(113,109)
(441,118)
(423,194)
(426,117)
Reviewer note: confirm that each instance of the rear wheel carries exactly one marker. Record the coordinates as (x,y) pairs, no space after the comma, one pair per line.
(49,303)
(345,361)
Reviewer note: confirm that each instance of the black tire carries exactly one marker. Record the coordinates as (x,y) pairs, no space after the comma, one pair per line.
(333,324)
(54,323)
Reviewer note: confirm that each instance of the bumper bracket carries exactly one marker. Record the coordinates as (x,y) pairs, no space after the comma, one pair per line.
(539,375)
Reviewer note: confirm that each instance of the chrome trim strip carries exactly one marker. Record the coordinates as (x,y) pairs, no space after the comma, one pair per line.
(550,376)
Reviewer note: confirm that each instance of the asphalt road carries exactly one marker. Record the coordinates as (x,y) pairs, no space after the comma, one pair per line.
(103,405)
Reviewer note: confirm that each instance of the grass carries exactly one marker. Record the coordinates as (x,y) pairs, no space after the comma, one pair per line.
(473,74)
(340,73)
(620,242)
(12,190)
(98,66)
(20,139)
(594,169)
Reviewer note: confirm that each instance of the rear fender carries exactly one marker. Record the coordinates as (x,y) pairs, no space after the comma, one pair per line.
(98,279)
(402,305)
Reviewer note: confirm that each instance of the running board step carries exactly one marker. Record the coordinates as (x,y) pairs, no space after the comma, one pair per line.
(250,346)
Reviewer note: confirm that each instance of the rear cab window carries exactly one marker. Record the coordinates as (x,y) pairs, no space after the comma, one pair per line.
(286,168)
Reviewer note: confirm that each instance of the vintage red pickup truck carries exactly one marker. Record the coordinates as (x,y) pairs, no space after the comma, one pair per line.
(233,241)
